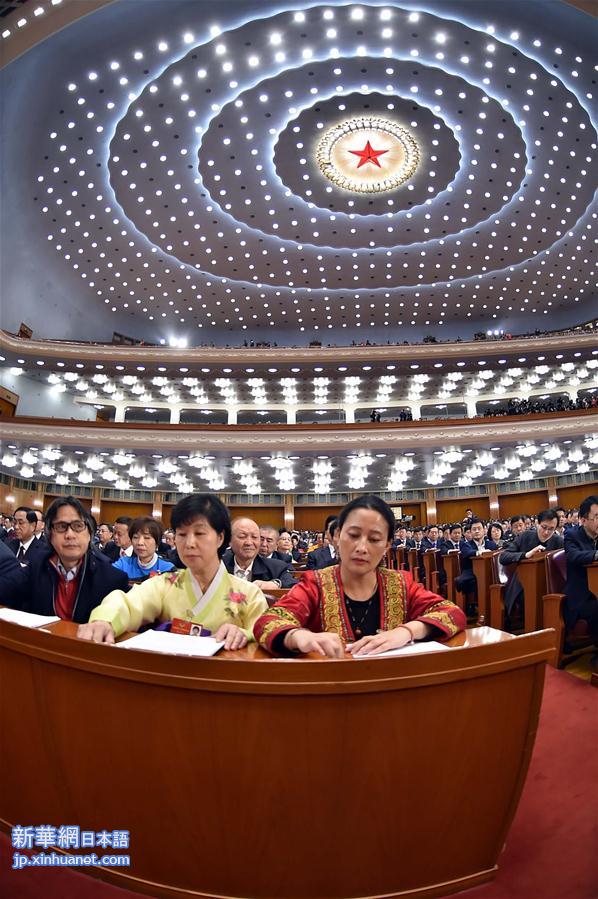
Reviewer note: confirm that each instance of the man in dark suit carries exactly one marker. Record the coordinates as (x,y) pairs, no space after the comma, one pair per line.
(528,544)
(243,559)
(581,549)
(268,543)
(326,555)
(415,542)
(66,577)
(477,546)
(25,544)
(455,540)
(430,539)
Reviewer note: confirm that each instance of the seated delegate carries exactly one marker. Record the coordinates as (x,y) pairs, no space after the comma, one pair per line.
(145,534)
(204,592)
(356,604)
(66,577)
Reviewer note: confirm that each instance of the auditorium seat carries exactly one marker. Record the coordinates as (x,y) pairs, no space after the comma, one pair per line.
(579,637)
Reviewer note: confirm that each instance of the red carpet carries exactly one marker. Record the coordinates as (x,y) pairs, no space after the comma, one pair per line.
(552,849)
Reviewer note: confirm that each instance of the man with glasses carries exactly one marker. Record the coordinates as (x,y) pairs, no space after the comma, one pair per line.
(581,549)
(65,577)
(527,545)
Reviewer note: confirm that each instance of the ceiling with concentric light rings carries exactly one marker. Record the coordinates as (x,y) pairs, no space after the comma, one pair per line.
(175,171)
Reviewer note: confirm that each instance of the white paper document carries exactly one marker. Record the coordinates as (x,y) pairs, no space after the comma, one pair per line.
(173,644)
(409,650)
(26,619)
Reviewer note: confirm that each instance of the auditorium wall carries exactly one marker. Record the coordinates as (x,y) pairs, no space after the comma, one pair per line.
(571,497)
(529,503)
(449,510)
(37,398)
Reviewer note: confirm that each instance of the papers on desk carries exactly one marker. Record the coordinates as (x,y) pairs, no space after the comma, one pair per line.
(409,650)
(26,619)
(173,644)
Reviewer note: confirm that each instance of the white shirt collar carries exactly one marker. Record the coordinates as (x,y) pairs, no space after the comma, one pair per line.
(28,544)
(241,572)
(151,562)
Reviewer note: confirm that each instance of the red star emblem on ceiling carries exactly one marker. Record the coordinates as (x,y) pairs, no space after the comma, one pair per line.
(368,154)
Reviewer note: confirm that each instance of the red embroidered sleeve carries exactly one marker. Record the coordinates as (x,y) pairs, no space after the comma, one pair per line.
(423,605)
(298,608)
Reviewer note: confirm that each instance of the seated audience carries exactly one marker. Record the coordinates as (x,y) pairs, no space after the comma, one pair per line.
(354,604)
(528,544)
(121,536)
(204,592)
(25,546)
(104,537)
(145,534)
(581,549)
(66,577)
(478,545)
(516,527)
(243,560)
(296,551)
(495,533)
(430,540)
(325,555)
(284,546)
(269,539)
(455,541)
(415,542)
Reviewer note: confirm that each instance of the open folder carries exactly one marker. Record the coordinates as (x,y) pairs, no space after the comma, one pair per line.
(173,644)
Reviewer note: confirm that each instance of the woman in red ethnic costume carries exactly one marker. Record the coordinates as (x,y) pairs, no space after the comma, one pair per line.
(356,606)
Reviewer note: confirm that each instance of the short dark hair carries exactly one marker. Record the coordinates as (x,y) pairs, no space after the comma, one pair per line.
(475,521)
(123,519)
(417,528)
(547,515)
(454,526)
(333,527)
(373,502)
(516,518)
(145,523)
(328,520)
(586,504)
(29,514)
(559,509)
(104,524)
(74,503)
(203,505)
(495,524)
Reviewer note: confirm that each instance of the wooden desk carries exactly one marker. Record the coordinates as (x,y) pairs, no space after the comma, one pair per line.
(482,568)
(310,779)
(593,578)
(532,577)
(413,562)
(452,568)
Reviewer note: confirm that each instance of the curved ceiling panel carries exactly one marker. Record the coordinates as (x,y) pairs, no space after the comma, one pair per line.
(178,176)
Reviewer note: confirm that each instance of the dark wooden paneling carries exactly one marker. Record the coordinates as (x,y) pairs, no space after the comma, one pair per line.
(529,503)
(571,497)
(312,518)
(112,509)
(450,510)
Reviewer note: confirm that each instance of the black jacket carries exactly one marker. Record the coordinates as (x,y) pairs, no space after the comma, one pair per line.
(515,552)
(32,550)
(32,589)
(321,558)
(580,550)
(263,569)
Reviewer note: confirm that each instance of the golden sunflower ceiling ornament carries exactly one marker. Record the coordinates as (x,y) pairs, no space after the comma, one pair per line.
(367,154)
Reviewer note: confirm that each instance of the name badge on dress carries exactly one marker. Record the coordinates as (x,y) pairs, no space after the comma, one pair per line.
(185,626)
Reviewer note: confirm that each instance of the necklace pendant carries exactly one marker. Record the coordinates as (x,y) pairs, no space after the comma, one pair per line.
(358,633)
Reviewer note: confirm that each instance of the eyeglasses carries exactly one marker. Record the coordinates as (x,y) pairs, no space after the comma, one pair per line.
(61,527)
